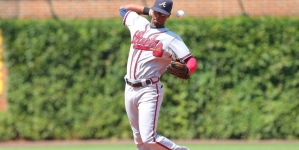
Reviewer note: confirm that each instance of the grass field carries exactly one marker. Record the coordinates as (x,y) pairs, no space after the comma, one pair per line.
(193,146)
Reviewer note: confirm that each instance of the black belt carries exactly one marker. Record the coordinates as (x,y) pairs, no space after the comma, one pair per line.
(138,84)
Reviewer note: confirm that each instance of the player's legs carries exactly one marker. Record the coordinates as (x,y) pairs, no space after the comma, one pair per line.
(149,107)
(131,104)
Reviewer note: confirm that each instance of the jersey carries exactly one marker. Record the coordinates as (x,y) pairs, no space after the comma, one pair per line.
(151,49)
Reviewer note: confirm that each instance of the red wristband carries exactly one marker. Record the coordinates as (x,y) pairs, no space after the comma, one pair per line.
(191,64)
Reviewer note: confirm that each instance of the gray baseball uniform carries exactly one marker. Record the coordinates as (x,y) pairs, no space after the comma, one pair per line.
(151,51)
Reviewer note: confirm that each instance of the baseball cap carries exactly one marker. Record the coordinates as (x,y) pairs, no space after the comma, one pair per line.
(163,6)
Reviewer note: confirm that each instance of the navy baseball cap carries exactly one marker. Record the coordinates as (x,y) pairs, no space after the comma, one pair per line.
(163,6)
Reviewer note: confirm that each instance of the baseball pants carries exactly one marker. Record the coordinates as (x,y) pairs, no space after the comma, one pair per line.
(142,107)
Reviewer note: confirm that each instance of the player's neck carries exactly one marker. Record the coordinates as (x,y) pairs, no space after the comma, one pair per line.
(153,25)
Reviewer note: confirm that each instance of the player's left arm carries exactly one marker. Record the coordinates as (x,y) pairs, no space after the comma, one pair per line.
(183,53)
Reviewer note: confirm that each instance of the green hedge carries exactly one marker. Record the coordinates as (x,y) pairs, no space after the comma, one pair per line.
(66,80)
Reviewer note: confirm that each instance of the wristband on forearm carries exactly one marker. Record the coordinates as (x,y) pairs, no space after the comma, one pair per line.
(146,11)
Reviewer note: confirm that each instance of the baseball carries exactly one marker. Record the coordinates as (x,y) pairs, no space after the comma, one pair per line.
(180,14)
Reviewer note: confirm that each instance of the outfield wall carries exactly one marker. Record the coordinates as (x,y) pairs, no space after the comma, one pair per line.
(108,8)
(66,80)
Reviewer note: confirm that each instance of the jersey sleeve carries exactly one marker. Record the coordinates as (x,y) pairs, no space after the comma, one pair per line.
(130,17)
(179,48)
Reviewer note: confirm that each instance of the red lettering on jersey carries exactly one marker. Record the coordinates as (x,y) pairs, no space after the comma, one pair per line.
(150,41)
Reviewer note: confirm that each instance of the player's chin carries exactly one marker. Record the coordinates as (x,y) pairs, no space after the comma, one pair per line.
(156,23)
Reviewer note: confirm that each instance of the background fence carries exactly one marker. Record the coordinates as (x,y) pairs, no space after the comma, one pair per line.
(108,8)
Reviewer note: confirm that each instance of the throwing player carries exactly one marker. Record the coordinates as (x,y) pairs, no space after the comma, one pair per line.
(153,47)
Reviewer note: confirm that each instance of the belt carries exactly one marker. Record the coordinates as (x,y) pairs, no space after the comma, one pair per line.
(138,84)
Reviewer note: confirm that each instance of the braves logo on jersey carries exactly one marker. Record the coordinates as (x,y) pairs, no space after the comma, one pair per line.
(149,43)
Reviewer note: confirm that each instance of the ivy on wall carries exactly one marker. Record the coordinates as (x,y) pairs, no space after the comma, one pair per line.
(66,80)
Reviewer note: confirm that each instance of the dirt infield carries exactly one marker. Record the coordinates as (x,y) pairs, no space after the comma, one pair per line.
(98,142)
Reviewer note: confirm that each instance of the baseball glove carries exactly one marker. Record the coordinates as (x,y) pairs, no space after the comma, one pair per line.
(178,69)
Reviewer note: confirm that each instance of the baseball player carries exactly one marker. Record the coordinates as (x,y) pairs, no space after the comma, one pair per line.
(153,48)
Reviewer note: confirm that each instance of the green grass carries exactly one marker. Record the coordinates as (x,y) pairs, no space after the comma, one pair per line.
(263,146)
(76,147)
